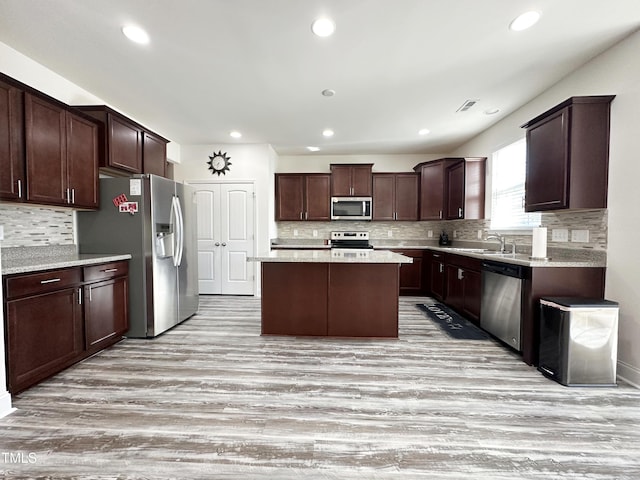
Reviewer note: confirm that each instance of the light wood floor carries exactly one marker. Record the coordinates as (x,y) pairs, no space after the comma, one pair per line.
(212,399)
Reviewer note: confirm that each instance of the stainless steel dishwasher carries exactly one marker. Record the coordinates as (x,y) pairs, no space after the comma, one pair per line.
(501,308)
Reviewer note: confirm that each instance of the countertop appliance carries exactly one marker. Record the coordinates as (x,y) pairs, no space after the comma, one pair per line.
(153,219)
(350,240)
(351,208)
(578,340)
(501,311)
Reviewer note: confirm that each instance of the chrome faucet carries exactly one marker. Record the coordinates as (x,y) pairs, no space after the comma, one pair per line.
(500,238)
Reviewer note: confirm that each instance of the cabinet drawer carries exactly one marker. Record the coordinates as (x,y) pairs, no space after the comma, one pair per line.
(467,263)
(105,271)
(42,282)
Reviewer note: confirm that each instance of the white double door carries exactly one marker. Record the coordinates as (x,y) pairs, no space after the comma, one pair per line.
(225,237)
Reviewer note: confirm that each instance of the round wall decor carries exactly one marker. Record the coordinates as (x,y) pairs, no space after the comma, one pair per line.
(219,163)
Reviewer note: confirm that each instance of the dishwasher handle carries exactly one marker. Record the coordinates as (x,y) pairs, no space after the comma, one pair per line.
(510,270)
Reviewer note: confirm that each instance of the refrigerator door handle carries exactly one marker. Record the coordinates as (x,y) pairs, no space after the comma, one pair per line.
(180,232)
(175,229)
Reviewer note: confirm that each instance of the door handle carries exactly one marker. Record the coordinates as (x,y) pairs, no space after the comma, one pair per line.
(19,188)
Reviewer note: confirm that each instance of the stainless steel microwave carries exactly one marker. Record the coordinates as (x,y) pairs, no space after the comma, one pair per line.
(351,208)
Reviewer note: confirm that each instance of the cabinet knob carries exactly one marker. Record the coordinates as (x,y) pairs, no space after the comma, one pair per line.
(224,244)
(217,244)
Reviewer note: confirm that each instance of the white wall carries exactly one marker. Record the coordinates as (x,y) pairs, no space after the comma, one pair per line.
(616,71)
(248,163)
(29,72)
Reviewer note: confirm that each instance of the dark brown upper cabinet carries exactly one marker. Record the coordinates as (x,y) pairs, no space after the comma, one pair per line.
(82,161)
(48,151)
(465,189)
(452,188)
(432,188)
(61,155)
(12,156)
(154,154)
(568,155)
(349,180)
(125,146)
(302,196)
(395,196)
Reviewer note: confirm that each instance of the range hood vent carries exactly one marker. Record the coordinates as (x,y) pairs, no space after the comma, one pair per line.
(466,105)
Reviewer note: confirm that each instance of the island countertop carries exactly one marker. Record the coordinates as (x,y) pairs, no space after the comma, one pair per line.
(331,256)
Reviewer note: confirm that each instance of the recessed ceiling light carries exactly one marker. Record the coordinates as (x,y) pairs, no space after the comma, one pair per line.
(491,111)
(313,149)
(328,92)
(524,21)
(235,134)
(135,34)
(323,27)
(424,131)
(327,132)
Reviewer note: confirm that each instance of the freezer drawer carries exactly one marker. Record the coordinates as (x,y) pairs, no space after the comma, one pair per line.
(578,340)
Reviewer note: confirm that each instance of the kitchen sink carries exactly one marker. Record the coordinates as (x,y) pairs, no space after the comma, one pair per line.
(469,250)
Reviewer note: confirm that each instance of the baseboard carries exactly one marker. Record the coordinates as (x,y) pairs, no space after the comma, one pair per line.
(5,404)
(629,374)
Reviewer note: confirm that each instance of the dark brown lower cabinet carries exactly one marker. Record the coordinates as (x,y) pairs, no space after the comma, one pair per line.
(464,285)
(56,318)
(412,281)
(294,298)
(456,280)
(44,334)
(363,300)
(105,313)
(334,299)
(437,276)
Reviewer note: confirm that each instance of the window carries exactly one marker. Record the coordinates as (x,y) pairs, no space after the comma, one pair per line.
(507,196)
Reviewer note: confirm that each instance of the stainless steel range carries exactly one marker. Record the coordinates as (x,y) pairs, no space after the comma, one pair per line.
(350,240)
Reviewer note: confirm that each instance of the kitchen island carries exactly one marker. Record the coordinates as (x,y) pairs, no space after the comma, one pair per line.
(337,293)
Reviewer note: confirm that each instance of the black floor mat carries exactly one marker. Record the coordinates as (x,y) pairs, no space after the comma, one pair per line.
(451,323)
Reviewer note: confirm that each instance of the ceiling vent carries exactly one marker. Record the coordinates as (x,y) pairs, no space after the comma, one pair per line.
(467,105)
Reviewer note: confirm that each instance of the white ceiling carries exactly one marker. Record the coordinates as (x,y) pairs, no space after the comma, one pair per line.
(253,65)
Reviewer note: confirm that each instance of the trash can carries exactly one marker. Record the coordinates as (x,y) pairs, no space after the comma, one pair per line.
(578,340)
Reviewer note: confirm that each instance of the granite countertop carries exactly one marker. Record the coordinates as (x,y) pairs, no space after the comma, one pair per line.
(331,256)
(558,257)
(33,259)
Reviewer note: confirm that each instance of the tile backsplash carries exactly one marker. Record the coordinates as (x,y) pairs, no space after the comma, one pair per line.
(594,221)
(31,226)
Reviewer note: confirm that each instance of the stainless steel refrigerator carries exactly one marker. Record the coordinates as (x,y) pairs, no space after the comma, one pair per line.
(153,219)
